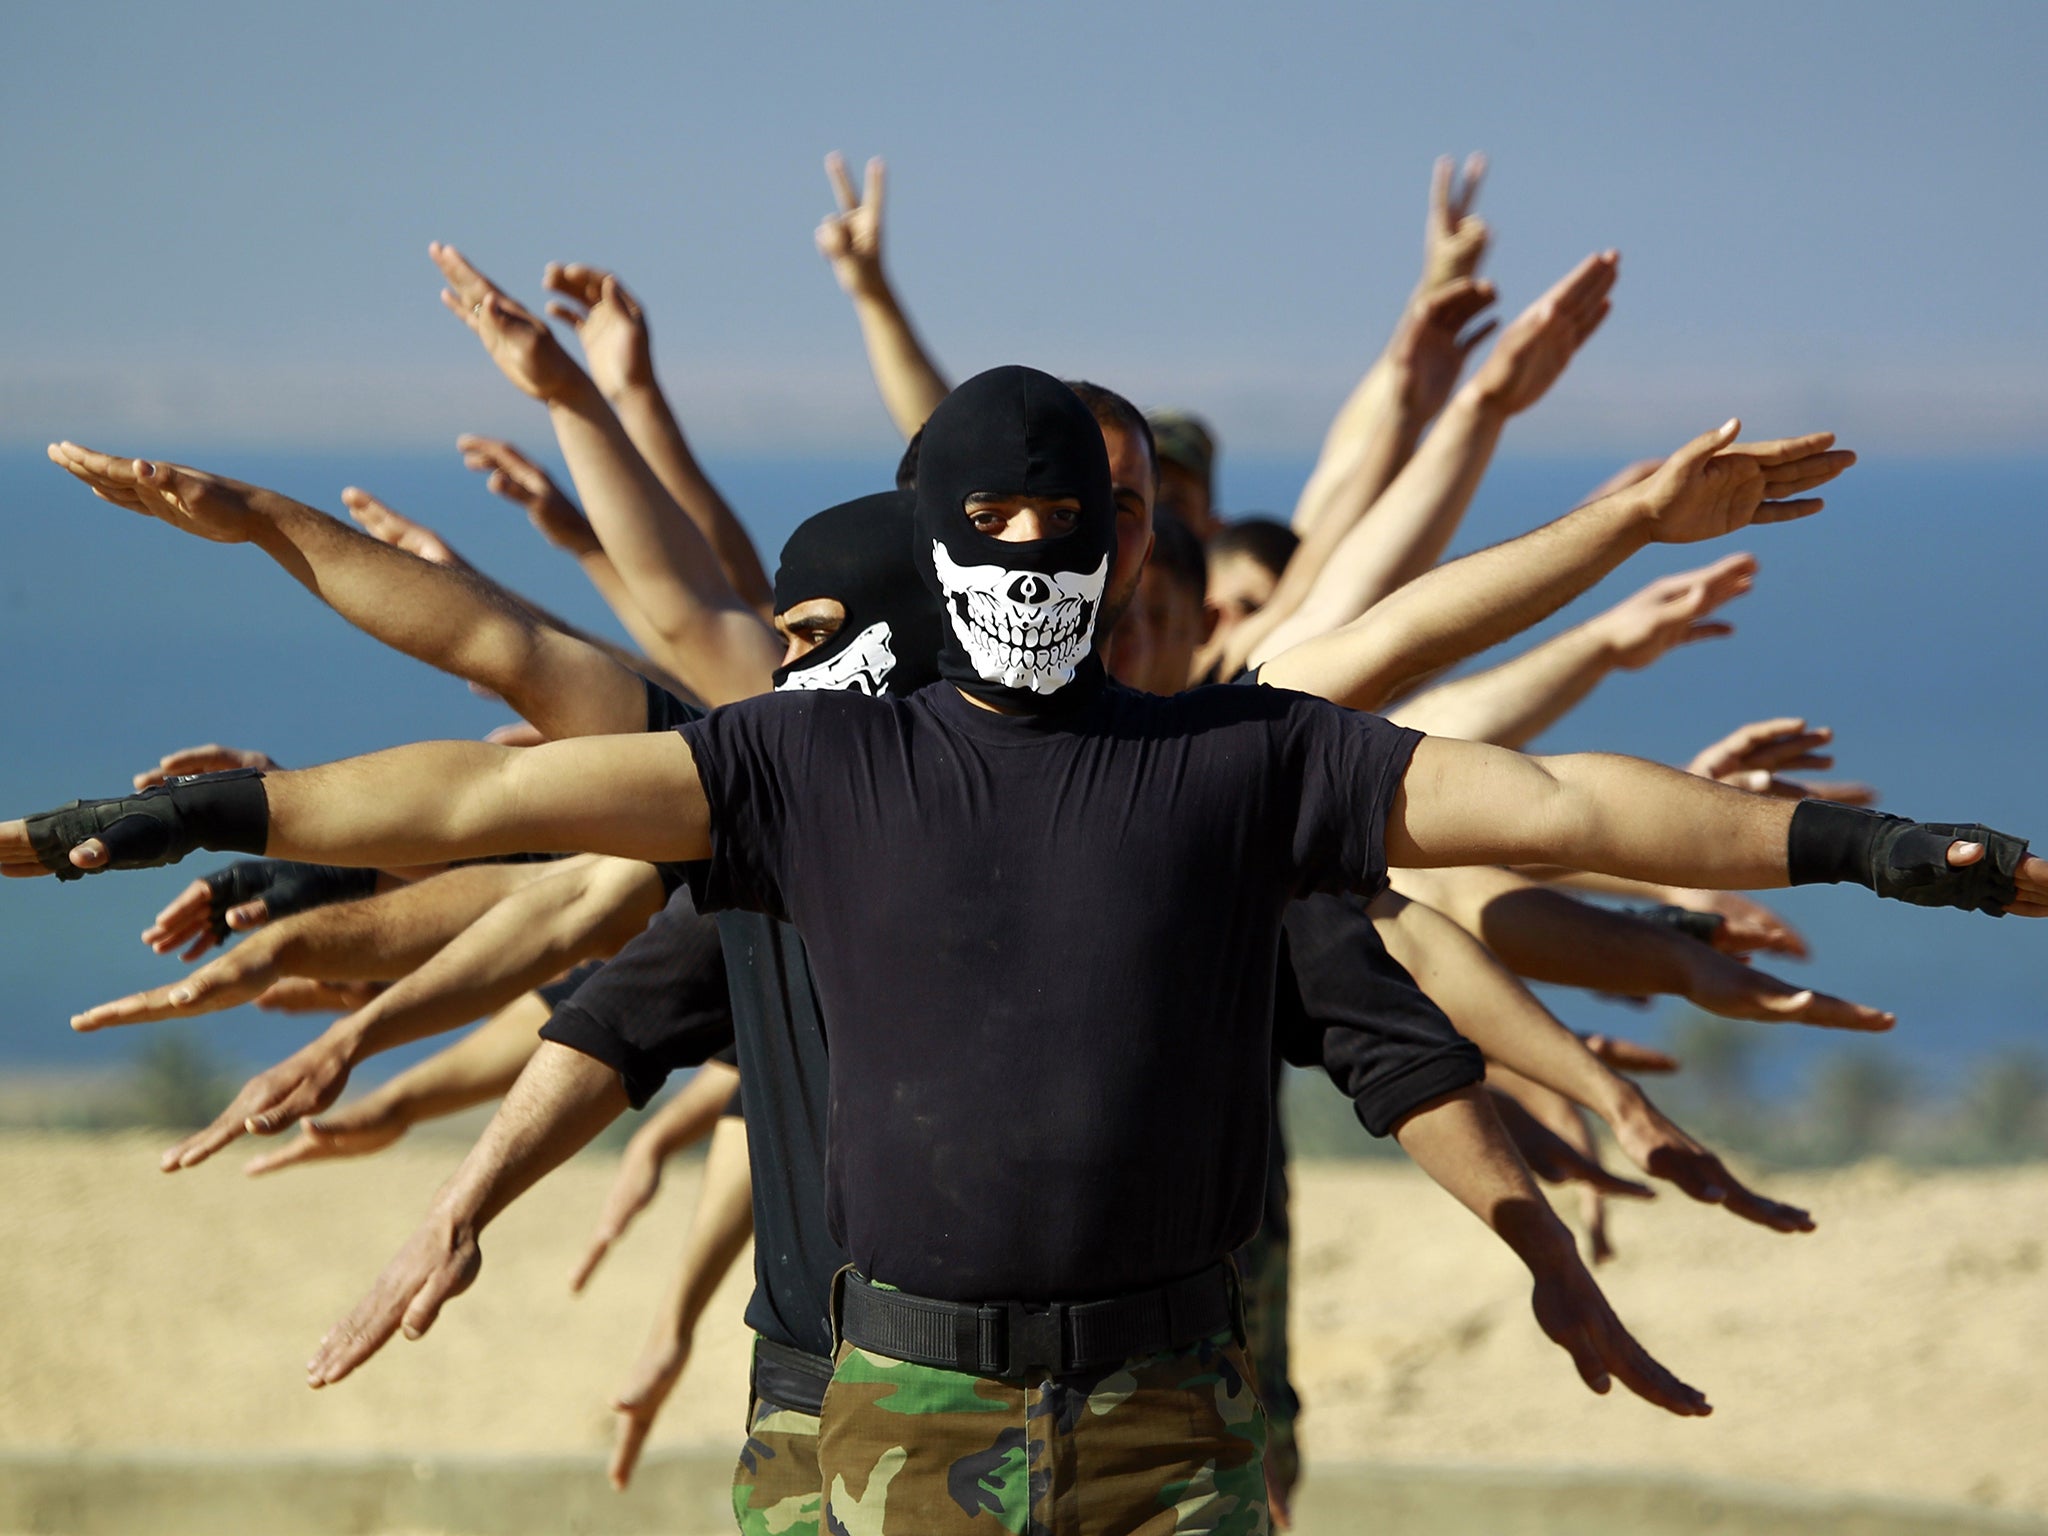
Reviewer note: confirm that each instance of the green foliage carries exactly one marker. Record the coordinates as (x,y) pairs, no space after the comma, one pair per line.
(177,1084)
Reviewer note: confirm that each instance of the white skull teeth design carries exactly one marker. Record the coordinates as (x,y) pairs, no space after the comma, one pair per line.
(863,667)
(1020,628)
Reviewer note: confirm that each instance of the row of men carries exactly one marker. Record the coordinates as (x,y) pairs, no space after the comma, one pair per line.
(1059,931)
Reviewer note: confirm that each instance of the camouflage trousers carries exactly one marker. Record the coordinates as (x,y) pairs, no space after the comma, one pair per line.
(775,1487)
(1159,1446)
(1263,1265)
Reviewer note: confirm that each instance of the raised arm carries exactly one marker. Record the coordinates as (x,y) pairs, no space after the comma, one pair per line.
(851,239)
(1406,530)
(560,1102)
(1378,426)
(1518,700)
(613,329)
(712,638)
(1705,490)
(451,619)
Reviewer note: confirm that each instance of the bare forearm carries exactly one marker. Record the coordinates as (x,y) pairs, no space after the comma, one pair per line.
(1466,803)
(692,1114)
(910,383)
(560,1102)
(480,1067)
(1458,1141)
(633,796)
(1463,608)
(719,1230)
(385,936)
(1405,531)
(644,412)
(452,619)
(1491,1008)
(1548,936)
(710,637)
(1511,704)
(521,943)
(1370,438)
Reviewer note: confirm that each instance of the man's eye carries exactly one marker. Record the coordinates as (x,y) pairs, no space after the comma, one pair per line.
(986,522)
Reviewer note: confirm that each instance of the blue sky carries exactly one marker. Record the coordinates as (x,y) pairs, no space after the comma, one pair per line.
(217,213)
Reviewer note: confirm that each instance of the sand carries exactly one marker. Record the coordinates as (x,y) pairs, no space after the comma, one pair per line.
(1900,1350)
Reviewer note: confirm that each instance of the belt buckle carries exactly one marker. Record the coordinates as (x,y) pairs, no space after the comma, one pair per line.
(1034,1335)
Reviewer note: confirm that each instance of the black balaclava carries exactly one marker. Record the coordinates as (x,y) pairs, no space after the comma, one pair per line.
(857,553)
(1020,618)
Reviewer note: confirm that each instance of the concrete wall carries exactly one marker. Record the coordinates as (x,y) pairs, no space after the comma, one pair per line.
(91,1494)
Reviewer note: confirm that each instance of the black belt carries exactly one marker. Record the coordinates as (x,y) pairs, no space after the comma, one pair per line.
(789,1378)
(1014,1338)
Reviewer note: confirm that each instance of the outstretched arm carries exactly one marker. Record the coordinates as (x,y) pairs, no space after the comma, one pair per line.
(1518,700)
(1705,490)
(712,638)
(481,1066)
(609,322)
(1405,531)
(851,240)
(1499,1015)
(451,619)
(634,796)
(1458,1141)
(1465,803)
(561,1101)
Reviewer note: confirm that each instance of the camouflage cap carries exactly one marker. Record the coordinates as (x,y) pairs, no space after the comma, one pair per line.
(1183,438)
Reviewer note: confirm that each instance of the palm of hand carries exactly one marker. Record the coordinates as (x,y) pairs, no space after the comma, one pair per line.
(852,242)
(1715,498)
(1454,252)
(527,352)
(200,505)
(1531,354)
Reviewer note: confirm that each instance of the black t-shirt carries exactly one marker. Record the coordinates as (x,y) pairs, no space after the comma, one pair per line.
(1046,945)
(659,1004)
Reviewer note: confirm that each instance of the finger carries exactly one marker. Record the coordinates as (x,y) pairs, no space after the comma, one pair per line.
(1715,631)
(1785,450)
(90,854)
(1840,791)
(875,180)
(305,1148)
(1440,193)
(1475,173)
(1804,474)
(445,1281)
(1742,1201)
(1695,453)
(302,1099)
(634,1425)
(573,318)
(1629,1055)
(356,1337)
(1787,511)
(1961,854)
(1471,343)
(198,1147)
(600,1245)
(1827,1012)
(250,914)
(842,184)
(1577,1342)
(1643,1375)
(2032,878)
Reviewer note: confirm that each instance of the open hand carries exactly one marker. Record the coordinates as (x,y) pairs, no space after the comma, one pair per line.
(1714,485)
(206,505)
(369,1125)
(211,758)
(653,1377)
(1658,1147)
(851,239)
(308,994)
(1628,1055)
(521,481)
(1571,1309)
(1753,756)
(1534,350)
(608,322)
(1435,337)
(525,350)
(387,525)
(304,1083)
(638,1181)
(439,1261)
(1672,611)
(1723,985)
(236,977)
(1553,1159)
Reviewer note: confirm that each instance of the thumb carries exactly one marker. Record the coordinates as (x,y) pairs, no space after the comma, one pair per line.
(1705,446)
(1959,854)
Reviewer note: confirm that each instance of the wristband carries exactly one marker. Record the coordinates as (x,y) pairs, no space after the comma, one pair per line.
(161,825)
(1900,859)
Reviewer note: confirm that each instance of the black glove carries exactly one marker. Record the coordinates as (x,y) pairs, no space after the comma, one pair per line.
(225,811)
(1905,860)
(1704,926)
(283,888)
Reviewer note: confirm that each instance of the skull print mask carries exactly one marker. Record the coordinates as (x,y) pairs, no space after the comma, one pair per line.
(1020,616)
(858,553)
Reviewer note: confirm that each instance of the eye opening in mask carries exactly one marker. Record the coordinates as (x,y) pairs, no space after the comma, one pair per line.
(808,625)
(1020,519)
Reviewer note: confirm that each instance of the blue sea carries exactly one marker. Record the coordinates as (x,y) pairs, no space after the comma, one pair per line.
(1899,616)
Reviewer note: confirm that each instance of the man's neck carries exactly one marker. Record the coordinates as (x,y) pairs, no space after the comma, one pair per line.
(980,703)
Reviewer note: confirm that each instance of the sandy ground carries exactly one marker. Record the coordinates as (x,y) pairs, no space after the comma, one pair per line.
(1902,1349)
